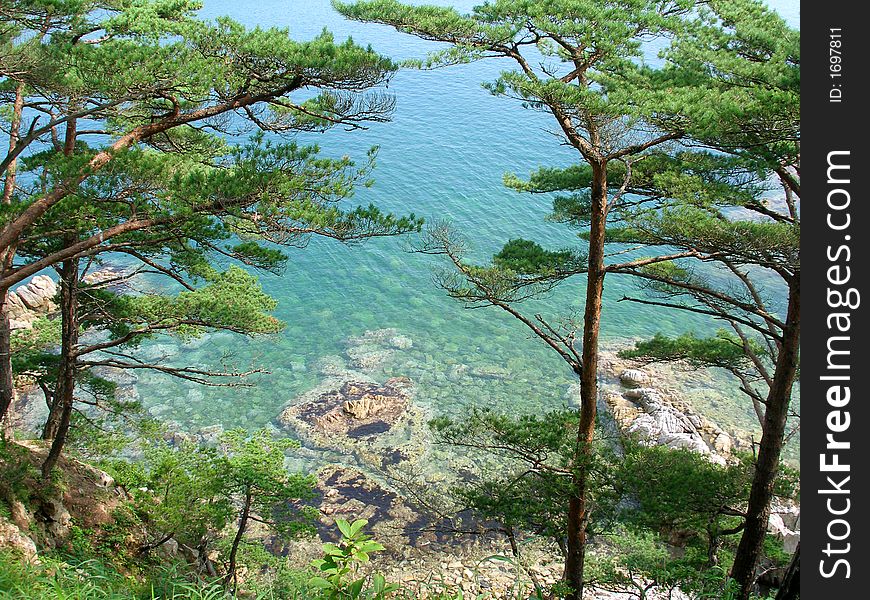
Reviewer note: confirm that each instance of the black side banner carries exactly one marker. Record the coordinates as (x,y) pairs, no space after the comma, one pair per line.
(836,250)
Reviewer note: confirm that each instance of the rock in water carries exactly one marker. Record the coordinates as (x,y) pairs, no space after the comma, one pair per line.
(634,378)
(376,422)
(401,342)
(353,404)
(367,406)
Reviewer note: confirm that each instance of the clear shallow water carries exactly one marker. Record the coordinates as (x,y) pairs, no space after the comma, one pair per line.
(442,157)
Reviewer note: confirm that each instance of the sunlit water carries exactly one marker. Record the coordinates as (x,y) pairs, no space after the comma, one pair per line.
(442,157)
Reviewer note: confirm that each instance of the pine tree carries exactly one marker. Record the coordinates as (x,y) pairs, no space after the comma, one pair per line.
(744,126)
(564,51)
(123,132)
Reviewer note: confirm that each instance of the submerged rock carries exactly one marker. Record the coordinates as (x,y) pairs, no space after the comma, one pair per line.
(491,372)
(634,378)
(375,348)
(350,405)
(374,421)
(395,520)
(331,366)
(401,342)
(369,357)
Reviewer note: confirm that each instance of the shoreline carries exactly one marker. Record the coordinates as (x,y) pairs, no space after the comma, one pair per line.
(360,433)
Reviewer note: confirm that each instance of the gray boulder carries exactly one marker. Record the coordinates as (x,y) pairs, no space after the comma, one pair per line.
(634,378)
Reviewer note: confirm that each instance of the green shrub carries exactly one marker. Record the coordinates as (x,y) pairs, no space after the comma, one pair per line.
(339,567)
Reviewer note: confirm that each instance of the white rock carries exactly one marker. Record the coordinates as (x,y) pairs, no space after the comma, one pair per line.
(44,284)
(790,541)
(638,393)
(683,440)
(777,525)
(14,306)
(722,443)
(23,323)
(402,342)
(34,296)
(32,299)
(634,378)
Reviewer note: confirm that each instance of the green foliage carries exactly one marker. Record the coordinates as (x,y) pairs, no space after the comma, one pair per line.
(741,93)
(639,501)
(178,491)
(253,464)
(637,559)
(529,258)
(552,179)
(723,350)
(787,485)
(30,346)
(16,473)
(770,244)
(71,579)
(521,270)
(192,492)
(682,491)
(532,457)
(270,576)
(338,569)
(79,543)
(232,300)
(147,178)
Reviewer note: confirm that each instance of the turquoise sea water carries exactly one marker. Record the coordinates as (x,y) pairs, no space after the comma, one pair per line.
(442,157)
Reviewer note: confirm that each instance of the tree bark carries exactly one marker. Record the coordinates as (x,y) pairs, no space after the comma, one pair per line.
(243,524)
(7,383)
(791,583)
(578,509)
(69,325)
(770,448)
(14,131)
(57,426)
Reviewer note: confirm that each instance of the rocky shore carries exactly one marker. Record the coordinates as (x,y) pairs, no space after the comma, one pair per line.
(647,410)
(36,298)
(372,427)
(30,301)
(645,407)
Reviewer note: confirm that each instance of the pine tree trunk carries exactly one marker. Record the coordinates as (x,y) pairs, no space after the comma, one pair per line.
(243,524)
(578,509)
(791,583)
(7,383)
(14,131)
(770,448)
(52,422)
(60,405)
(59,419)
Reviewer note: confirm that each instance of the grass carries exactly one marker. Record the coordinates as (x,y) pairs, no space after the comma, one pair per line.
(90,580)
